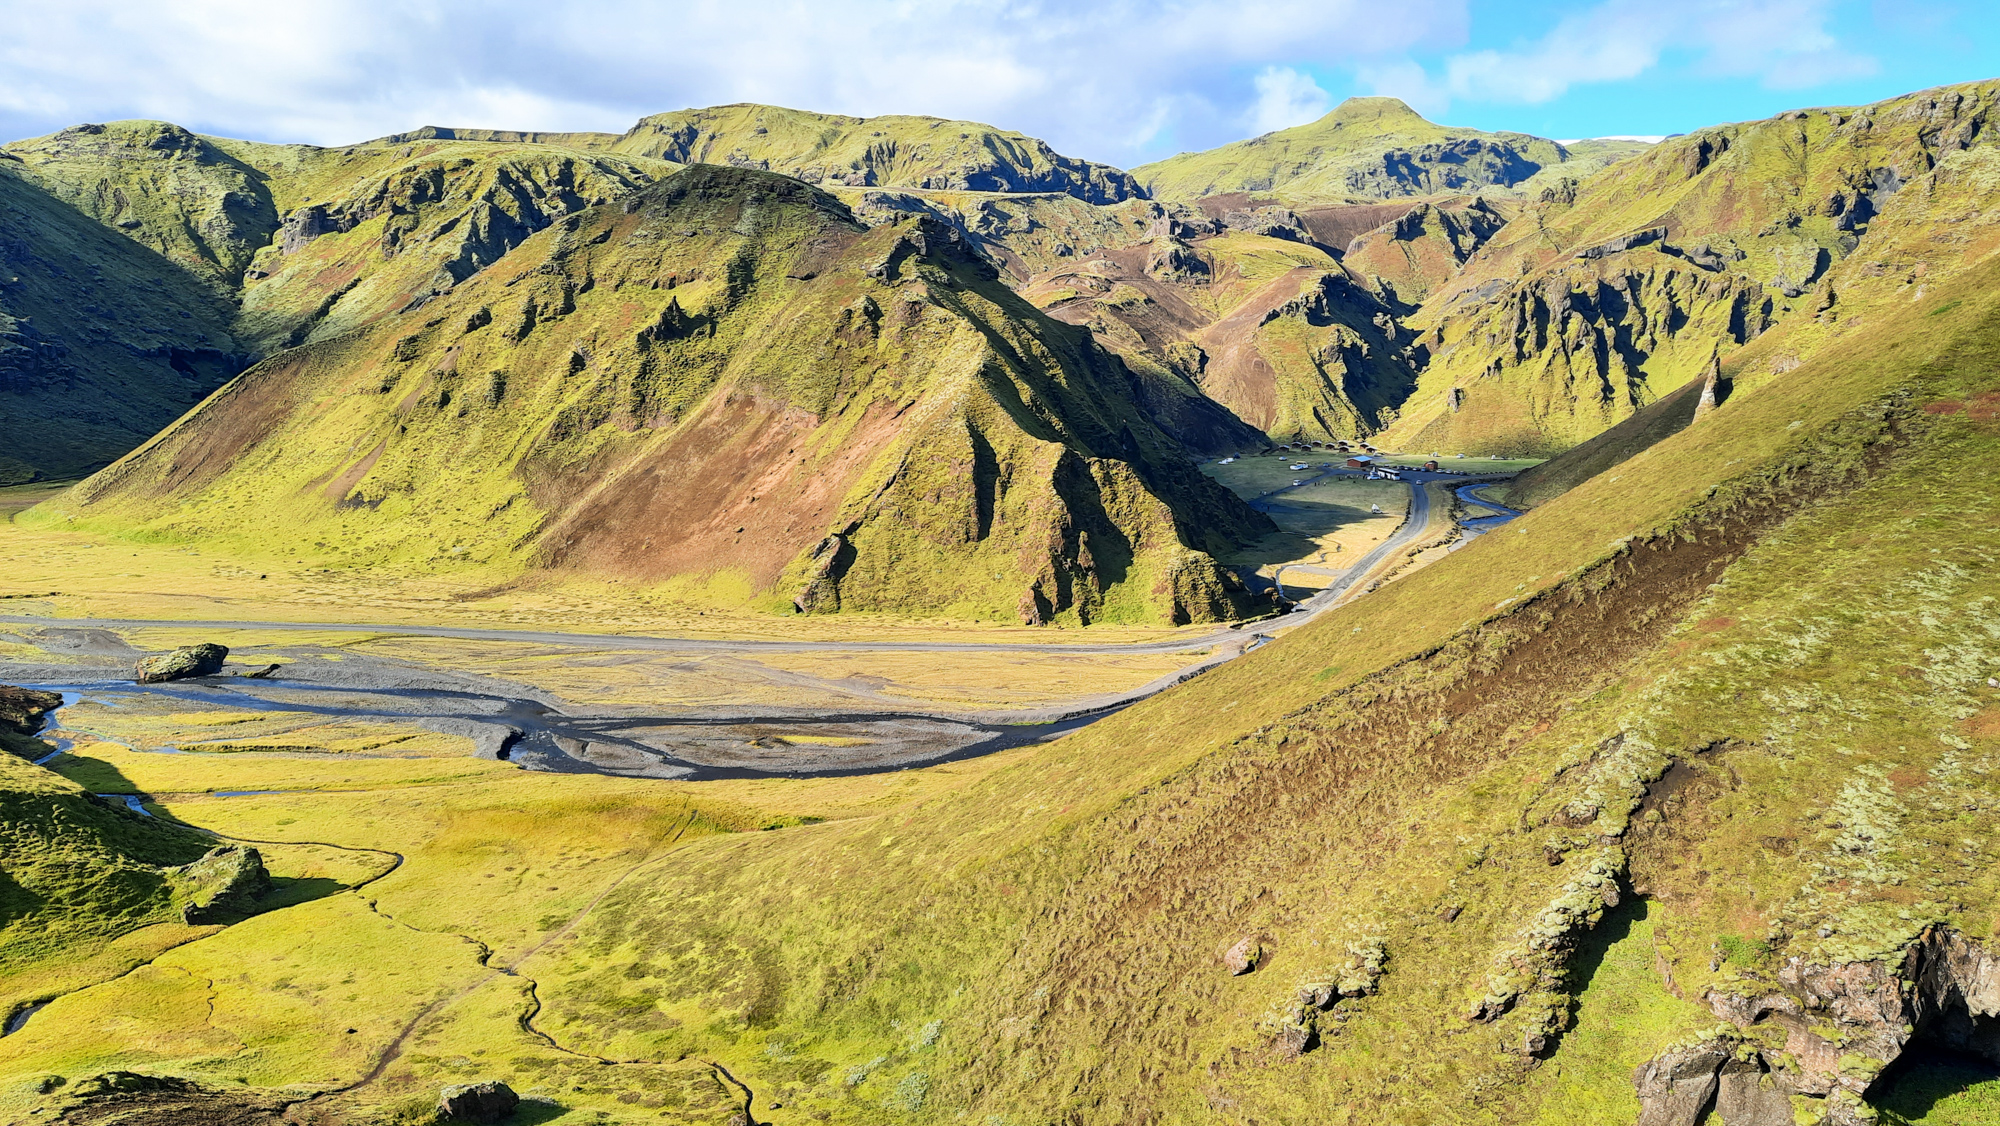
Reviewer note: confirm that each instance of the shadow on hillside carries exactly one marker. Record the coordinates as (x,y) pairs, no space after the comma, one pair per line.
(109,784)
(1926,1076)
(1615,928)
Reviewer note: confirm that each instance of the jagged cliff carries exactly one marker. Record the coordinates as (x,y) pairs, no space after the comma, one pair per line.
(1605,296)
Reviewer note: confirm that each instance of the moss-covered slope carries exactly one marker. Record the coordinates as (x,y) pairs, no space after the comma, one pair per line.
(1743,677)
(1605,296)
(234,250)
(102,341)
(892,151)
(1364,148)
(722,383)
(77,870)
(384,228)
(168,189)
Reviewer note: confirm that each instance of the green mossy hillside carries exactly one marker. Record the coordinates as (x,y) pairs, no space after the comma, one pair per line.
(1607,295)
(892,151)
(102,341)
(1364,148)
(233,250)
(389,228)
(1744,677)
(170,190)
(77,871)
(724,386)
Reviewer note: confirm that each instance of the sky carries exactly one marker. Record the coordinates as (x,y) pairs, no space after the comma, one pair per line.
(1121,81)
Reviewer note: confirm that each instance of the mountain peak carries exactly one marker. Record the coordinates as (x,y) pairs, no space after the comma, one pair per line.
(1375,114)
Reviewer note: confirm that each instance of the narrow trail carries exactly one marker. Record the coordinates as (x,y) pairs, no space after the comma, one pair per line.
(394,1051)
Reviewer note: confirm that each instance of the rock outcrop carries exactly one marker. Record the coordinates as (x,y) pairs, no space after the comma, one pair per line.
(484,1102)
(23,709)
(191,660)
(1244,956)
(1826,1034)
(224,885)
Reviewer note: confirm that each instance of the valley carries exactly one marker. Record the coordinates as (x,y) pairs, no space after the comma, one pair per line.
(778,617)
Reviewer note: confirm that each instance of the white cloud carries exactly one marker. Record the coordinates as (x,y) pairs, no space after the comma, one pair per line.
(1285,98)
(1106,79)
(1785,44)
(1403,78)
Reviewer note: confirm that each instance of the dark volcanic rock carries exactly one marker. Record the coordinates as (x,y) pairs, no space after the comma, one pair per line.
(22,709)
(490,1101)
(1675,1088)
(193,660)
(1843,1025)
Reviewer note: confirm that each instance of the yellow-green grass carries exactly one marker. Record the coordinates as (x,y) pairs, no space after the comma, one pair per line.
(100,576)
(1468,464)
(1624,1016)
(1017,880)
(495,862)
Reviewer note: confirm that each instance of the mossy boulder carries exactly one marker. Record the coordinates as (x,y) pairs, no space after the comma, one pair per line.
(488,1101)
(192,660)
(223,885)
(22,709)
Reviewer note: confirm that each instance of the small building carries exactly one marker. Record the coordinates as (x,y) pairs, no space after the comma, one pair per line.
(1360,463)
(1431,467)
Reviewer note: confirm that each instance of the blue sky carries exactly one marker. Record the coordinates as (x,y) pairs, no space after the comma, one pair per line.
(1716,62)
(1122,81)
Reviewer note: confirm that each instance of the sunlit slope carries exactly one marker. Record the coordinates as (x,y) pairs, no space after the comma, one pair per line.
(379,229)
(77,872)
(1743,676)
(896,151)
(1605,296)
(1270,328)
(724,384)
(169,190)
(102,341)
(1365,148)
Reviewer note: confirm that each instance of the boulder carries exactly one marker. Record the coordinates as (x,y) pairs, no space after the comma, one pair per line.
(22,709)
(1244,956)
(226,884)
(489,1101)
(192,660)
(1676,1087)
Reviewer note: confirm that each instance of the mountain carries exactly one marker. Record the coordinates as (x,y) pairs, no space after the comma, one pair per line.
(102,341)
(721,382)
(1685,775)
(1605,296)
(150,264)
(1366,148)
(891,151)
